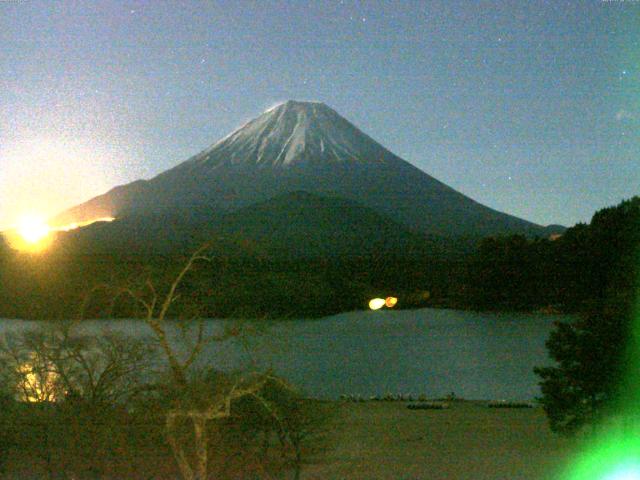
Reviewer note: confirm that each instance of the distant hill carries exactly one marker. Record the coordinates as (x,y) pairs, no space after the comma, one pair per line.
(289,226)
(297,146)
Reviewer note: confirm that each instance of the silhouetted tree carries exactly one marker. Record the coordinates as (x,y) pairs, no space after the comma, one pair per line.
(509,273)
(72,389)
(193,403)
(586,384)
(598,353)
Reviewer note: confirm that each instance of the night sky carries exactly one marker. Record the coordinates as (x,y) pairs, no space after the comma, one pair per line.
(532,108)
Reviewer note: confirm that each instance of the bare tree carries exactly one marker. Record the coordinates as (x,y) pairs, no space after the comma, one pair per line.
(78,386)
(94,373)
(192,403)
(55,360)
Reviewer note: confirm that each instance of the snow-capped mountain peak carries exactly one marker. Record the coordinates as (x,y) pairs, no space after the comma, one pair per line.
(293,133)
(302,146)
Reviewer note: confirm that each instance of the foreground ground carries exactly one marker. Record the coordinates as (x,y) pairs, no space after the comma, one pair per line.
(385,440)
(374,440)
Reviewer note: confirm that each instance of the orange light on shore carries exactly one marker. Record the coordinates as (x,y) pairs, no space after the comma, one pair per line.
(376,303)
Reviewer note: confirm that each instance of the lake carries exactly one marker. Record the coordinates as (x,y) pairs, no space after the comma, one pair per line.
(427,351)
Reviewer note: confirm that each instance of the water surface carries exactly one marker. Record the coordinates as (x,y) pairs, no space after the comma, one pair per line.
(427,351)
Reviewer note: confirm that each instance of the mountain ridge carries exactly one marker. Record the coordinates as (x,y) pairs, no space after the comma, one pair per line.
(293,225)
(304,146)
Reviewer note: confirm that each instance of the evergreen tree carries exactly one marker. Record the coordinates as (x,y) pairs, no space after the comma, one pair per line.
(598,353)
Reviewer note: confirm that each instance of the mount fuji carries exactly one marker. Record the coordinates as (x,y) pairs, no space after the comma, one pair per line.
(301,147)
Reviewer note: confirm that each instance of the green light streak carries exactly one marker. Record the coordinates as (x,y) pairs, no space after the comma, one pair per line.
(612,457)
(614,453)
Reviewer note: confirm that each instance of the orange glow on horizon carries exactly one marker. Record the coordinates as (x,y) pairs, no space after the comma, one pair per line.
(74,225)
(33,234)
(33,229)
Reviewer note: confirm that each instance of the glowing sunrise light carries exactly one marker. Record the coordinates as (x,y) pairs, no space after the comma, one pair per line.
(33,229)
(33,234)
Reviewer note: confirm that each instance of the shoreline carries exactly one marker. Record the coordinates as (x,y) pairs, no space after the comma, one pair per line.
(285,319)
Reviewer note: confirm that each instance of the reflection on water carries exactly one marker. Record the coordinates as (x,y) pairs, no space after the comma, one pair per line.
(428,351)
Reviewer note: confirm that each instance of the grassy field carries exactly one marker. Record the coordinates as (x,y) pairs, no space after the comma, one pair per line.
(372,440)
(385,440)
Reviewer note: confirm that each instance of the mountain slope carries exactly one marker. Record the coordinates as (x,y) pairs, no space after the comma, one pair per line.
(292,225)
(303,146)
(301,224)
